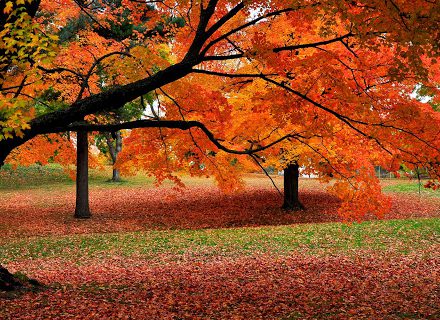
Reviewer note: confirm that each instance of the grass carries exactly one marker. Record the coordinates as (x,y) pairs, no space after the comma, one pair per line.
(400,236)
(403,235)
(33,175)
(411,187)
(53,176)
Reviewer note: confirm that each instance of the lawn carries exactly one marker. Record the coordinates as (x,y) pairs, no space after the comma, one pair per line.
(154,253)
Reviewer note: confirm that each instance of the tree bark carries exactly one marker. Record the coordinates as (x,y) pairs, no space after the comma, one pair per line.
(116,177)
(291,186)
(114,148)
(82,209)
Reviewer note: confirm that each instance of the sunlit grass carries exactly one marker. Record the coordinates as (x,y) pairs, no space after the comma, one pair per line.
(399,236)
(412,187)
(53,176)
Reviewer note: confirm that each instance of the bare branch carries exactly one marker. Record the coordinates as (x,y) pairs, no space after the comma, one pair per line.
(313,44)
(254,157)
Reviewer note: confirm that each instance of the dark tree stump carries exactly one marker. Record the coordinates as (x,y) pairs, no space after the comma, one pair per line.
(8,282)
(12,285)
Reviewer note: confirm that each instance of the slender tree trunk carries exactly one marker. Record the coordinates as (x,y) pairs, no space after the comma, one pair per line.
(82,209)
(291,183)
(114,149)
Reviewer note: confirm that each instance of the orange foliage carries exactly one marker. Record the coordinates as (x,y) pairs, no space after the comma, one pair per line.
(43,149)
(336,79)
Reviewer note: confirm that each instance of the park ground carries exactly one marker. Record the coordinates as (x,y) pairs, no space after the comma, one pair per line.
(155,253)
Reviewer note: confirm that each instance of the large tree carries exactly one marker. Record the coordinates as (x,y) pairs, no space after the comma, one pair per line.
(327,84)
(323,84)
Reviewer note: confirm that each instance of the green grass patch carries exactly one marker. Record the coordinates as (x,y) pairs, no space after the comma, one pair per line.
(32,176)
(401,236)
(54,175)
(412,187)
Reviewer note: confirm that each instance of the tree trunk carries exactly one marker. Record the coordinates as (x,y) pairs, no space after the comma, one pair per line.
(116,175)
(114,149)
(82,209)
(10,282)
(7,280)
(291,183)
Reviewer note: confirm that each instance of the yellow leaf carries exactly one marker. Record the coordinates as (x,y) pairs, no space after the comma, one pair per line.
(8,7)
(25,126)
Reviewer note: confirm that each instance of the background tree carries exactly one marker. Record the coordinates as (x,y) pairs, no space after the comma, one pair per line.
(110,144)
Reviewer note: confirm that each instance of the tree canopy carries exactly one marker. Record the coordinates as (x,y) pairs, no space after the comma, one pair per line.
(329,85)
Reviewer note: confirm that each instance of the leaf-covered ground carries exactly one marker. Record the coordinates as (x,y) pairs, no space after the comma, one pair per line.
(382,269)
(48,210)
(298,286)
(151,253)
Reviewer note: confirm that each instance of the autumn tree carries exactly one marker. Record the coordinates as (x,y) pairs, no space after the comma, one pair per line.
(324,85)
(329,83)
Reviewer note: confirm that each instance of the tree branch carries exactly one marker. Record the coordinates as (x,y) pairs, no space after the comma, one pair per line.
(171,124)
(313,44)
